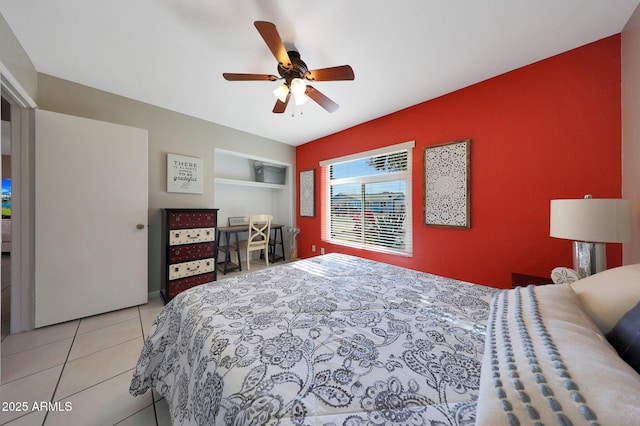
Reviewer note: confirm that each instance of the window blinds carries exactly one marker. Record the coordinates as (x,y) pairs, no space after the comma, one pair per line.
(368,200)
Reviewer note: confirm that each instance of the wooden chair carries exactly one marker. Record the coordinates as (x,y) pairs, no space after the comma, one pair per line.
(258,238)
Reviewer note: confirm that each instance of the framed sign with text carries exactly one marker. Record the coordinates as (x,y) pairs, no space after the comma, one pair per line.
(184,174)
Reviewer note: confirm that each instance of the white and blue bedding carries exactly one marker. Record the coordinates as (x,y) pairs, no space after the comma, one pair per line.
(339,340)
(330,340)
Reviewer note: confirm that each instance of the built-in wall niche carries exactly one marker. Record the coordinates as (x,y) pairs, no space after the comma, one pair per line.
(236,192)
(232,168)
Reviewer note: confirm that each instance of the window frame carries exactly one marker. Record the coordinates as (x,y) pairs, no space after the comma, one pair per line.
(394,176)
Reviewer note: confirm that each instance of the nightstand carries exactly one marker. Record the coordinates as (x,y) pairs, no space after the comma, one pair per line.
(524,280)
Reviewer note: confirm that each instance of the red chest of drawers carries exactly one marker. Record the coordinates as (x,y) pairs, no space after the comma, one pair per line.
(189,249)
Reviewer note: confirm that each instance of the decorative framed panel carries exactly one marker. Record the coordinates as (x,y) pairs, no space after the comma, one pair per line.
(307,193)
(447,178)
(184,174)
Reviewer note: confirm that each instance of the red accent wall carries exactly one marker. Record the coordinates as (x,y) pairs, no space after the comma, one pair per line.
(548,130)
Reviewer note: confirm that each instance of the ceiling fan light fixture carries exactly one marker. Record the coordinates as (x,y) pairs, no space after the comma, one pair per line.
(295,73)
(300,98)
(298,87)
(282,92)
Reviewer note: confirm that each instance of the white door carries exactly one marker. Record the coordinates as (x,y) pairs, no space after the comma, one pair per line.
(91,213)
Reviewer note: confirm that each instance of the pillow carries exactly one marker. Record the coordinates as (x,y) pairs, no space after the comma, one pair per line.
(546,362)
(607,295)
(625,337)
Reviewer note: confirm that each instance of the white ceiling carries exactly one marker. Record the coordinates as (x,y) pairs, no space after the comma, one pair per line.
(172,53)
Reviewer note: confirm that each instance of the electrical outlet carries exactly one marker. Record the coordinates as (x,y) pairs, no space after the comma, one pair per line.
(322,250)
(313,248)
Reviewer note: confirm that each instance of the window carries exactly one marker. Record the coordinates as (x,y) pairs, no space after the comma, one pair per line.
(368,200)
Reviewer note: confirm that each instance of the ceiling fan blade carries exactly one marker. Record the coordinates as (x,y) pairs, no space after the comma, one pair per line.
(248,77)
(343,72)
(281,106)
(321,99)
(270,35)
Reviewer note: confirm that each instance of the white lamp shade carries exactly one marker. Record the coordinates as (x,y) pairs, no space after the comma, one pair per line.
(298,86)
(300,99)
(282,92)
(596,220)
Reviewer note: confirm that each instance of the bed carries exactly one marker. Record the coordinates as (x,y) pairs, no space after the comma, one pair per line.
(340,340)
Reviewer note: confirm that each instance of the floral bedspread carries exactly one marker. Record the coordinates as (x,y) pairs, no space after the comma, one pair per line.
(331,340)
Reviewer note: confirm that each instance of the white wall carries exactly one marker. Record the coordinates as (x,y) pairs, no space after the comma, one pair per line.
(631,130)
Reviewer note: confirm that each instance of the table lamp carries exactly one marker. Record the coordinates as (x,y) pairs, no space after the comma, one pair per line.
(591,222)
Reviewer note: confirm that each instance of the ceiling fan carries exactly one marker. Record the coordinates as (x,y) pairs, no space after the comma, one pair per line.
(294,72)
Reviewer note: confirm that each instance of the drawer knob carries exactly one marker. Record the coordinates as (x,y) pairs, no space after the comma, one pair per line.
(140,226)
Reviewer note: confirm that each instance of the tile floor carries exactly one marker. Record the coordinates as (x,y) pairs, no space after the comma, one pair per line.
(84,367)
(81,369)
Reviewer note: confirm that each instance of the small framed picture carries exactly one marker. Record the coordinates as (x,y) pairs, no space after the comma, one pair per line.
(238,221)
(307,193)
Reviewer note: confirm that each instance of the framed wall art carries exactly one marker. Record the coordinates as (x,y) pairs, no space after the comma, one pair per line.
(447,177)
(307,193)
(184,174)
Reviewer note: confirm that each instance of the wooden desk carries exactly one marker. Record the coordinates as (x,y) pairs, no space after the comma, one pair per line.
(227,239)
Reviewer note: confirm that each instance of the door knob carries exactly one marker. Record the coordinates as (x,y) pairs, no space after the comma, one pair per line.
(140,226)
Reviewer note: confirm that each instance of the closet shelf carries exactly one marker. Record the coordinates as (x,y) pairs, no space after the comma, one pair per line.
(248,183)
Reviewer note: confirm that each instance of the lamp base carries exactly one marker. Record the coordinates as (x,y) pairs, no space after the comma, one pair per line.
(589,258)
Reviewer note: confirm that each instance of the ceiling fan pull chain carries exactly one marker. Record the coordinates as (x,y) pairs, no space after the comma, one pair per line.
(293,112)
